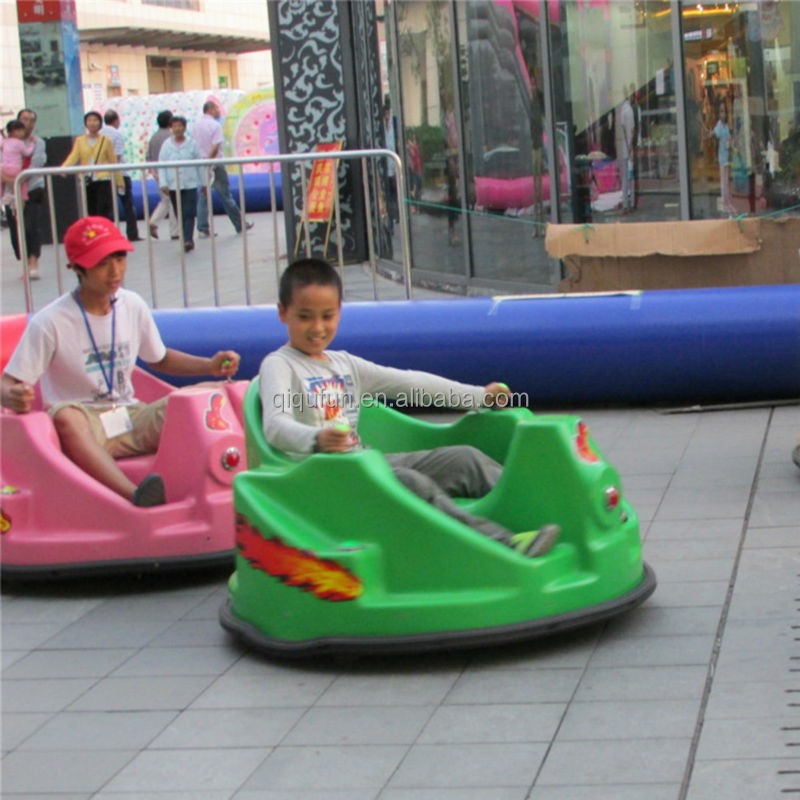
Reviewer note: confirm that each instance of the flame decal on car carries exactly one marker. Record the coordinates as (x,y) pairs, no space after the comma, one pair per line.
(321,577)
(585,450)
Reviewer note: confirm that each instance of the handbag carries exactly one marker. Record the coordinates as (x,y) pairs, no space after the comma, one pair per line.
(89,178)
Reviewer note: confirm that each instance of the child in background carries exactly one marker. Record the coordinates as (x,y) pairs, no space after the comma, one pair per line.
(311,399)
(15,151)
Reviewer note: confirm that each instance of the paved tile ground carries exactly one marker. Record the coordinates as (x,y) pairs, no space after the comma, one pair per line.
(128,689)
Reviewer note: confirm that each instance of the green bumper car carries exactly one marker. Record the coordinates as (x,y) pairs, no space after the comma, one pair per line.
(335,555)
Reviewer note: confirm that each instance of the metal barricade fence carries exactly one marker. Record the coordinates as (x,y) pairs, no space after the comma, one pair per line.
(366,157)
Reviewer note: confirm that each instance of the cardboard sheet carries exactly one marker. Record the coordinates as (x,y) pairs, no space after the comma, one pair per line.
(705,237)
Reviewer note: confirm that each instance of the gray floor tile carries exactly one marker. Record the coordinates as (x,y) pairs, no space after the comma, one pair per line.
(754,666)
(779,508)
(744,700)
(103,730)
(142,694)
(237,727)
(689,529)
(676,594)
(517,686)
(62,771)
(701,547)
(497,723)
(743,779)
(39,695)
(778,536)
(19,726)
(177,661)
(133,608)
(568,650)
(749,738)
(192,633)
(761,605)
(209,608)
(777,567)
(187,770)
(27,635)
(604,762)
(653,651)
(305,794)
(461,793)
(655,619)
(469,765)
(256,691)
(10,657)
(194,794)
(77,663)
(18,608)
(643,791)
(323,768)
(105,634)
(629,719)
(699,504)
(765,635)
(642,683)
(396,724)
(693,570)
(387,689)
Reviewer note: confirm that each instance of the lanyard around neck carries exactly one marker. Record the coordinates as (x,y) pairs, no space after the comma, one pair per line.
(109,379)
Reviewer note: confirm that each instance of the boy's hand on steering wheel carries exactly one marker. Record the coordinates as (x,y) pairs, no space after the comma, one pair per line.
(334,440)
(496,395)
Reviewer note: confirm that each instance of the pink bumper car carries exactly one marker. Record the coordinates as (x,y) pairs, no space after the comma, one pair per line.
(56,520)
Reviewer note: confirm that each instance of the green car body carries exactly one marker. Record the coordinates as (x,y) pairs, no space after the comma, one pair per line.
(335,554)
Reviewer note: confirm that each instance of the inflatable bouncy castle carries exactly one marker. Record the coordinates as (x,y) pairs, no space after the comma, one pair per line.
(249,126)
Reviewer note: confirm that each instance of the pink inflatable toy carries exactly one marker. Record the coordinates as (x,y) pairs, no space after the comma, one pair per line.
(56,520)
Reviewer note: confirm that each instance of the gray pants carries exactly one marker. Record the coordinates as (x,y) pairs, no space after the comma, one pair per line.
(455,471)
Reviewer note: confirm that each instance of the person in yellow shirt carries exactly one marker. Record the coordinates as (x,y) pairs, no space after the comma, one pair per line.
(94,148)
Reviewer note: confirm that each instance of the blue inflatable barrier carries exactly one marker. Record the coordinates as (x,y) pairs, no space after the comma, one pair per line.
(257,195)
(682,346)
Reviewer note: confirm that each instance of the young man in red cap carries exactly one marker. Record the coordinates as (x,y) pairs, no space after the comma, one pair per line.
(83,346)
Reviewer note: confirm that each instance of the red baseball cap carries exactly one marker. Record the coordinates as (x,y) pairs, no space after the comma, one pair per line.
(89,240)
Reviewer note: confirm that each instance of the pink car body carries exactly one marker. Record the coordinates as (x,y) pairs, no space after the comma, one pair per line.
(55,519)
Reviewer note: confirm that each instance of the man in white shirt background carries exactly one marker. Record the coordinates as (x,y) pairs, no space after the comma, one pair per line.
(111,130)
(164,207)
(207,132)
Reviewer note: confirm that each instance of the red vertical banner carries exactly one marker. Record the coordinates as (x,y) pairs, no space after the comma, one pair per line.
(322,184)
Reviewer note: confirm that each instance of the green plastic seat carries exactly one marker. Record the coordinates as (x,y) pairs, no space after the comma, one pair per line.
(335,554)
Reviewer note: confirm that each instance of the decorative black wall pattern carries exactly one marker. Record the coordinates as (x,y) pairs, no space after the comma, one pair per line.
(367,92)
(315,84)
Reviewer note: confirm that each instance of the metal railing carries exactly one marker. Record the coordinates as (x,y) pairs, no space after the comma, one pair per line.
(303,159)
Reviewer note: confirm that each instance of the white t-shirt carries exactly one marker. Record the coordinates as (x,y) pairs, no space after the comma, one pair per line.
(56,349)
(118,142)
(300,395)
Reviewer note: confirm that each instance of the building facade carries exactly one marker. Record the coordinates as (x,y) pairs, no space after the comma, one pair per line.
(132,48)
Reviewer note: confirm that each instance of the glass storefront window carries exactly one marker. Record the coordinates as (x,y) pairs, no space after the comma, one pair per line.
(614,106)
(514,113)
(507,177)
(741,66)
(431,134)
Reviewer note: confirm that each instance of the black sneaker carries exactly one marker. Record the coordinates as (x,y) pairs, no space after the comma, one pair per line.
(150,492)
